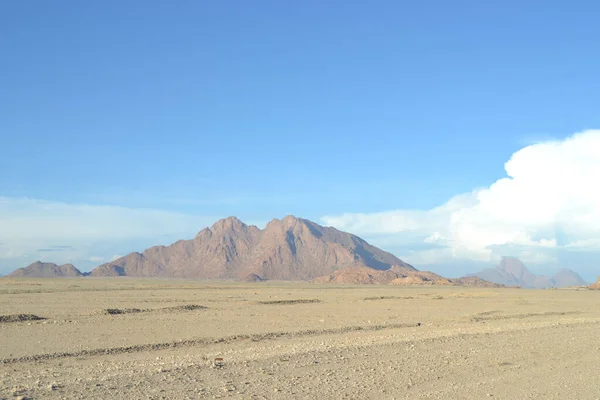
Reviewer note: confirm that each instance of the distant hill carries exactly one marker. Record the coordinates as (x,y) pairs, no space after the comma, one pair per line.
(287,249)
(46,270)
(595,285)
(566,277)
(398,275)
(512,272)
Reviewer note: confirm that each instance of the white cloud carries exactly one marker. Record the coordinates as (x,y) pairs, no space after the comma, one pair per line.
(32,229)
(27,219)
(549,200)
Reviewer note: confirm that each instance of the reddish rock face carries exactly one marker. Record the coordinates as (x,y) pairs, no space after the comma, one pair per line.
(287,249)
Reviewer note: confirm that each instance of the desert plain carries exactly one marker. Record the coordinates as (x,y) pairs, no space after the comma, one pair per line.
(131,338)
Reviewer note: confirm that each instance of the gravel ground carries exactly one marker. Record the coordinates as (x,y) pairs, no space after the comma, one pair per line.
(277,342)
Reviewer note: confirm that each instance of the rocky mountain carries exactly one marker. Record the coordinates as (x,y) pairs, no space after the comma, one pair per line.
(398,275)
(565,277)
(595,285)
(287,249)
(46,270)
(512,272)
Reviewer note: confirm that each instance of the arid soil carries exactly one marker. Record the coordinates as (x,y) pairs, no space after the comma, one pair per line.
(110,338)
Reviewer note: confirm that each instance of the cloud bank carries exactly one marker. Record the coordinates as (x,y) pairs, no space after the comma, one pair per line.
(548,203)
(84,234)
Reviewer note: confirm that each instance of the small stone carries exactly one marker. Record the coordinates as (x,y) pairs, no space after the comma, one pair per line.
(17,390)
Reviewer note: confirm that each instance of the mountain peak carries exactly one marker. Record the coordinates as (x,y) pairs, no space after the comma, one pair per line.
(514,266)
(289,249)
(512,272)
(567,277)
(287,221)
(41,269)
(229,223)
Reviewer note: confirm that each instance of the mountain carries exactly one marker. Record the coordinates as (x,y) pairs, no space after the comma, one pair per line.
(512,272)
(398,275)
(287,249)
(566,277)
(595,285)
(514,267)
(46,270)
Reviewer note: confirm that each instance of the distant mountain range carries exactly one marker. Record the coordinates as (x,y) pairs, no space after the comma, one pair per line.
(46,270)
(288,249)
(293,249)
(512,272)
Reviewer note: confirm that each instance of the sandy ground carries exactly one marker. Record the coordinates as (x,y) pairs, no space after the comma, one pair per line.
(295,341)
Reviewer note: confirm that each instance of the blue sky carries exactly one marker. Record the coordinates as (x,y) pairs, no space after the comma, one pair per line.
(335,111)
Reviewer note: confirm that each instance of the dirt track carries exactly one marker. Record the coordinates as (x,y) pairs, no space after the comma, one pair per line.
(125,338)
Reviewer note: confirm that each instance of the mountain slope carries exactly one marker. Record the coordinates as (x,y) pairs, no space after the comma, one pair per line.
(46,270)
(512,272)
(287,249)
(595,285)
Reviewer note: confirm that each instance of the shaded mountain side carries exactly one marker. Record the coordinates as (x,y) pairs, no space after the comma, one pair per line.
(398,276)
(46,270)
(287,249)
(512,272)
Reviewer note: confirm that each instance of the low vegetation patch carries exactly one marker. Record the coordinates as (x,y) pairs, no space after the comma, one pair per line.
(388,297)
(187,307)
(19,318)
(116,311)
(301,301)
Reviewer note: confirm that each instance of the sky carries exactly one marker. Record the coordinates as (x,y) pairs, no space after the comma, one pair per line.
(449,133)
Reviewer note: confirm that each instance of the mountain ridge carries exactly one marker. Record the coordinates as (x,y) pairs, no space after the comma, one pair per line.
(512,272)
(287,249)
